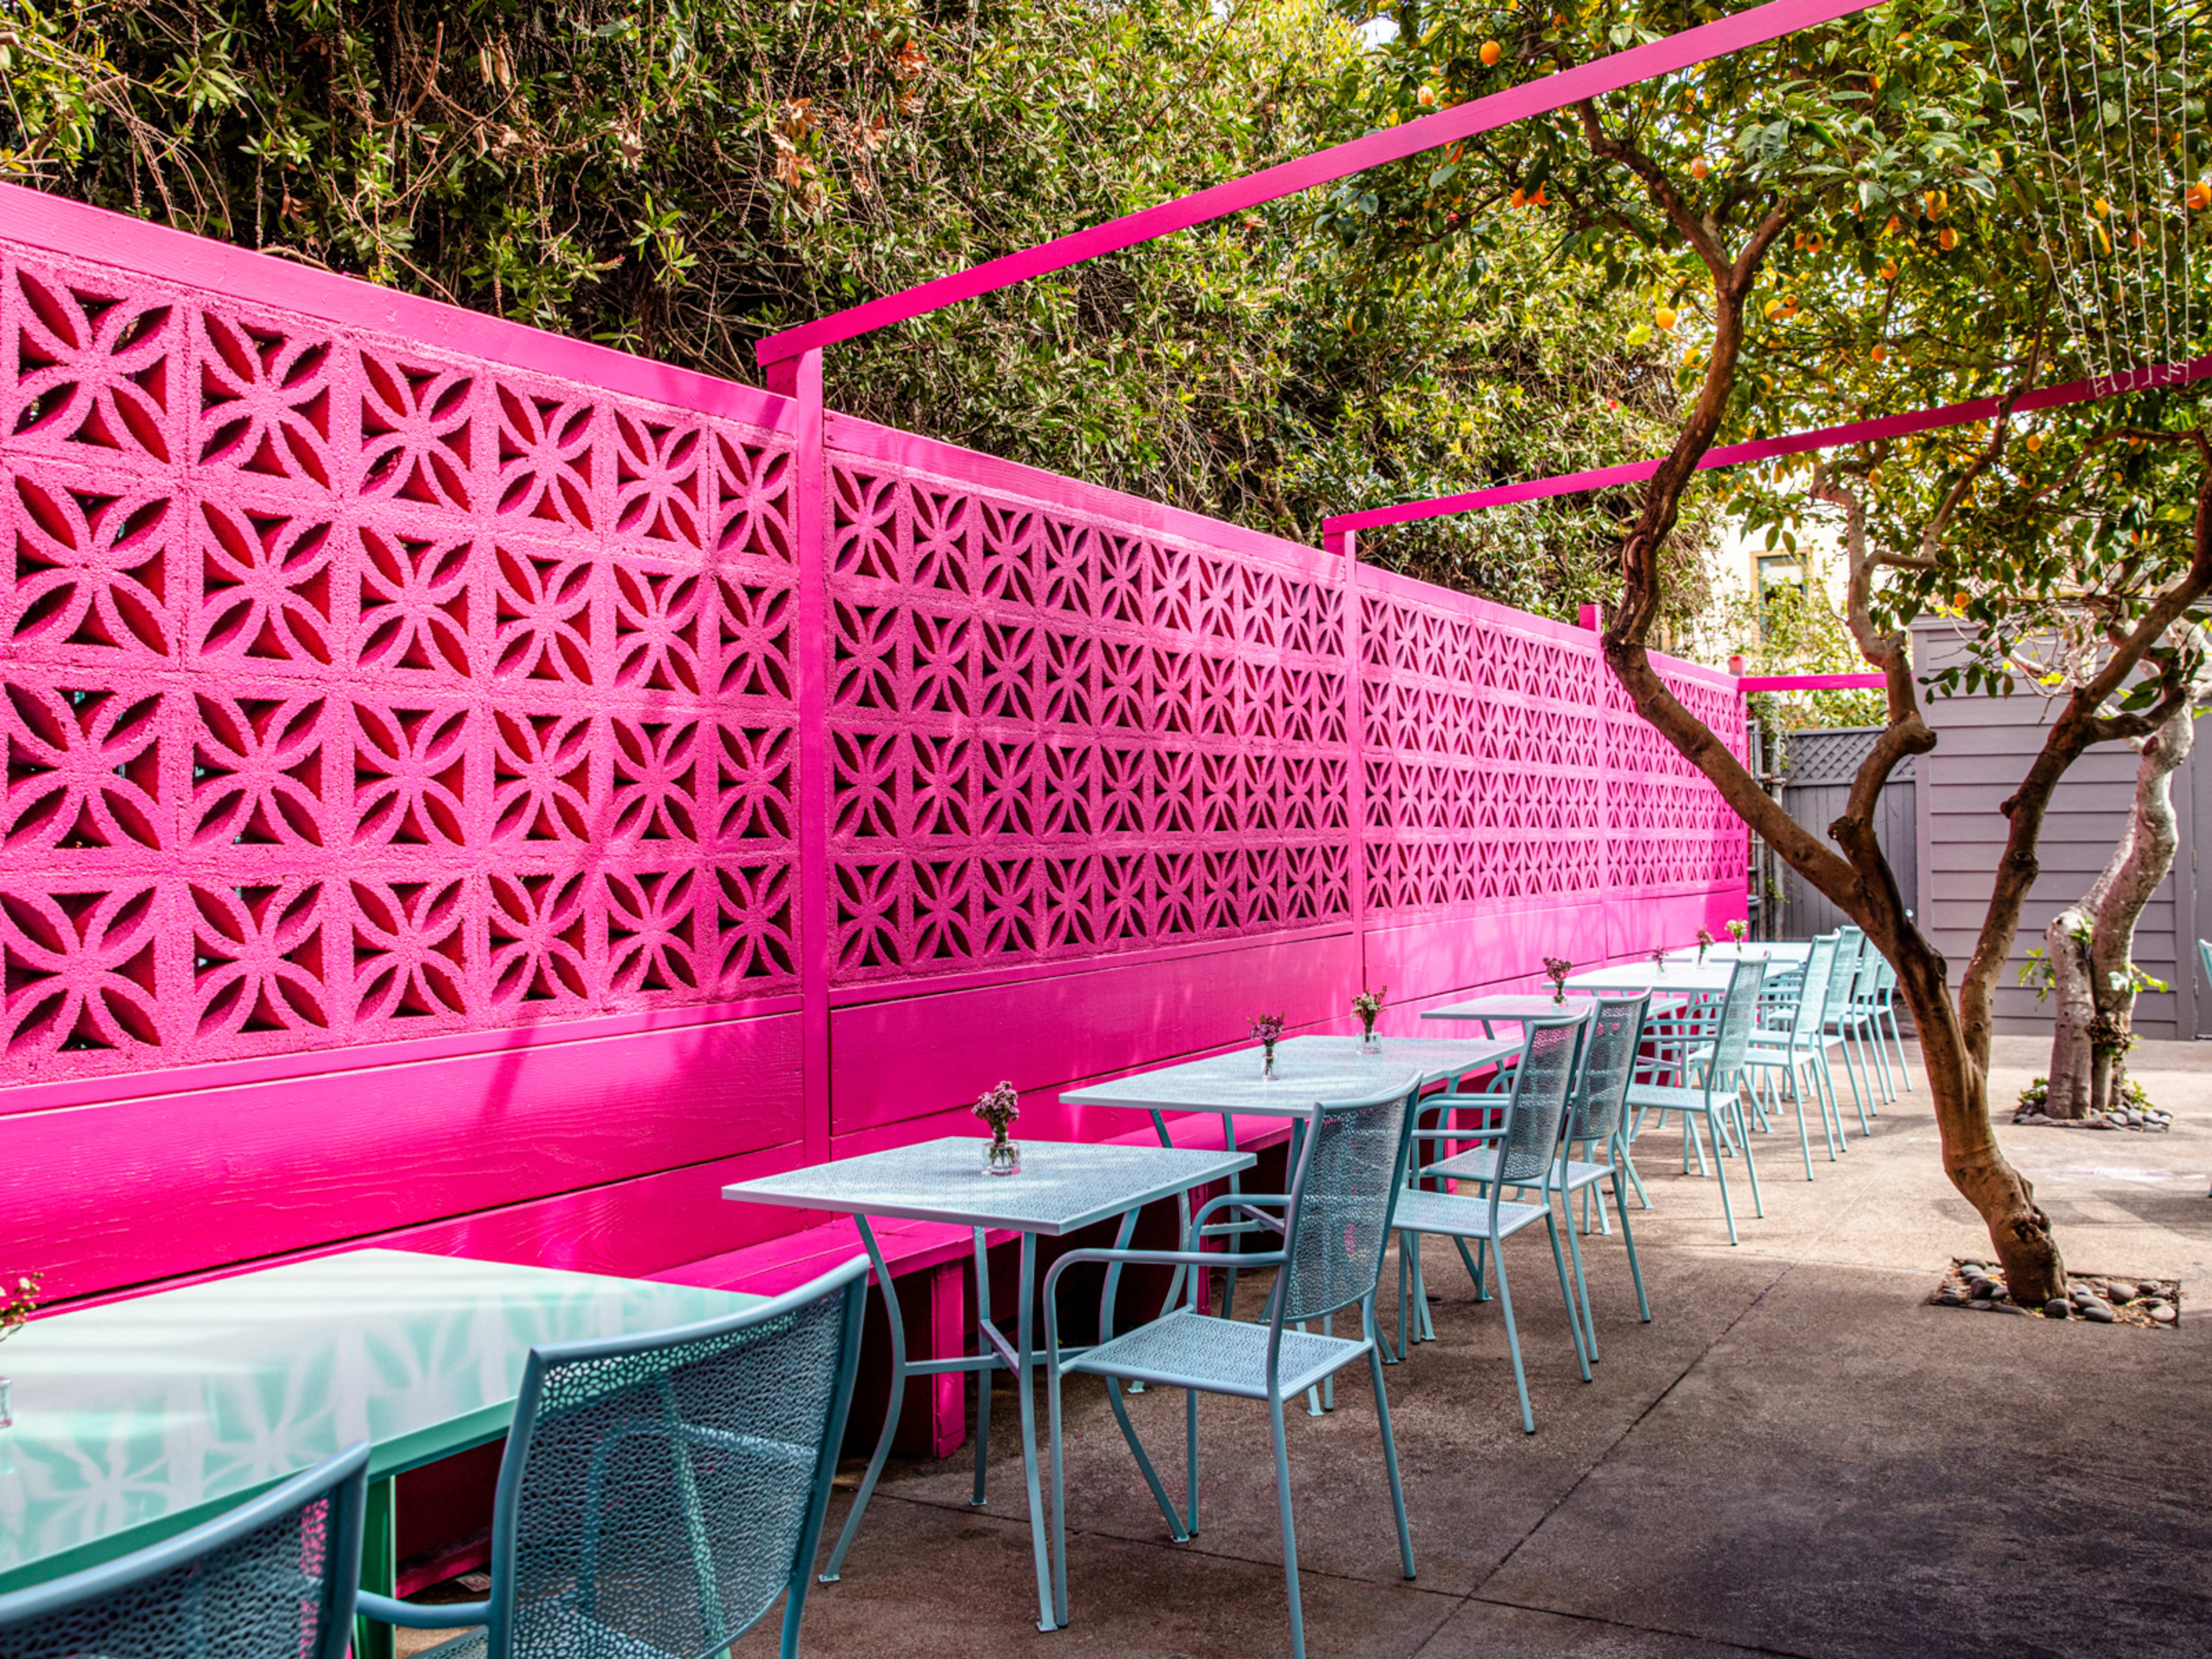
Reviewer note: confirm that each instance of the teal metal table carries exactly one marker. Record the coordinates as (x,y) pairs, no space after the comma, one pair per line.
(1063,1188)
(140,1419)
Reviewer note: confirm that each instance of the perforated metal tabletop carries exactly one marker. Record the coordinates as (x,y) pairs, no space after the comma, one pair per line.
(1307,1069)
(1063,1185)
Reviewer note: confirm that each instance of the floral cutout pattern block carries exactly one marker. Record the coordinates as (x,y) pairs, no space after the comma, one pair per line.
(354,690)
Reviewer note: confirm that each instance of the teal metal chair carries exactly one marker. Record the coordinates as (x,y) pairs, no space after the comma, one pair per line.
(1791,1046)
(1717,1101)
(1596,1120)
(1336,1226)
(1849,1029)
(274,1578)
(1526,1149)
(1874,1002)
(660,1490)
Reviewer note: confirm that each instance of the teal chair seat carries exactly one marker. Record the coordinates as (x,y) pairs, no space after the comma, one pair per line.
(1189,1350)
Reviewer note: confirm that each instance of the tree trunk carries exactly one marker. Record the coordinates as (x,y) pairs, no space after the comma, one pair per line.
(2094,972)
(2065,947)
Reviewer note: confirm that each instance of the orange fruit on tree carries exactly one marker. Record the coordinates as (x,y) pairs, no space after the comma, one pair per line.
(1880,353)
(1772,308)
(1665,316)
(1520,198)
(2035,441)
(1492,51)
(1889,270)
(1948,240)
(2199,194)
(1960,600)
(1701,167)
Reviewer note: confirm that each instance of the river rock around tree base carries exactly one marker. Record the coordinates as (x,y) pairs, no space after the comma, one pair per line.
(2154,1122)
(2091,1298)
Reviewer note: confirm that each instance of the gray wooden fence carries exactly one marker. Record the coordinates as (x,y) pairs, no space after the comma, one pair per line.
(1819,767)
(1983,748)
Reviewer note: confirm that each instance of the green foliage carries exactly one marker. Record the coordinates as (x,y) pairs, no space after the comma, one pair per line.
(1939,191)
(680,179)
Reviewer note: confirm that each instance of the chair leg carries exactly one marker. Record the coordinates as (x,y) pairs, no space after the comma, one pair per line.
(1177,1529)
(1566,1292)
(1750,1165)
(1190,1459)
(1635,1267)
(1721,1169)
(1635,1180)
(1474,1269)
(982,1420)
(1897,1036)
(1804,1135)
(1869,1104)
(1866,1024)
(1513,1343)
(1390,1462)
(1059,1489)
(1423,1325)
(1290,1530)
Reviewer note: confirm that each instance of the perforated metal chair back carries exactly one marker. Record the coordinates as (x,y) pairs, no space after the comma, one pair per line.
(1541,1082)
(1608,1062)
(1732,1034)
(1346,1186)
(1812,1013)
(659,1490)
(273,1579)
(1845,972)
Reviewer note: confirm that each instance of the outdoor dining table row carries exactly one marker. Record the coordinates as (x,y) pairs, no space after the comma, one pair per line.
(149,1416)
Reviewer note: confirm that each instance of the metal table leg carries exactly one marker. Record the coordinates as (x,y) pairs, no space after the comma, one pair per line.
(984,1362)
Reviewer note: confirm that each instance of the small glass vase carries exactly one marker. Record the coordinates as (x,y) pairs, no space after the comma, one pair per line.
(1559,992)
(1369,1042)
(1002,1156)
(1267,1063)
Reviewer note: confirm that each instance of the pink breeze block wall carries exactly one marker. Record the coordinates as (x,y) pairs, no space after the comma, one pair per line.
(408,717)
(360,689)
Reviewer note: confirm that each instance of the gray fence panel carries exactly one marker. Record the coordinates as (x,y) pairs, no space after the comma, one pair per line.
(1815,790)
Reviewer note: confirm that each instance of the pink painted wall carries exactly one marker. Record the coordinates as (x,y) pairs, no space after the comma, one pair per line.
(411,719)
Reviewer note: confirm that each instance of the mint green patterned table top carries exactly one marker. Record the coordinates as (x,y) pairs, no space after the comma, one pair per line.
(139,1418)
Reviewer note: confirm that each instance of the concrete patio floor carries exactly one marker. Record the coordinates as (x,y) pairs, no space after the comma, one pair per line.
(1795,1457)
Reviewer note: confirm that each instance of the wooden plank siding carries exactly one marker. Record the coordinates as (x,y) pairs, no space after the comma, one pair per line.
(1805,911)
(1984,747)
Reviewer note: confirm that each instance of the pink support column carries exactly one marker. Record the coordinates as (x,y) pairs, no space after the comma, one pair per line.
(800,378)
(1344,545)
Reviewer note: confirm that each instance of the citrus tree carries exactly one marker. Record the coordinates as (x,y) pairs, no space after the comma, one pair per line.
(1884,160)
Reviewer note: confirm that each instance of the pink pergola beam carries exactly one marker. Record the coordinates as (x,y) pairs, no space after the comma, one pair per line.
(1829,437)
(1539,97)
(1811,683)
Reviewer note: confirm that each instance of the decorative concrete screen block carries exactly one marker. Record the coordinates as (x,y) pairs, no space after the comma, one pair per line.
(1500,764)
(1668,829)
(1065,724)
(354,690)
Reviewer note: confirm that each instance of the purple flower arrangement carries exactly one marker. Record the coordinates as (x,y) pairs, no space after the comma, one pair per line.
(1556,970)
(1268,1029)
(999,1106)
